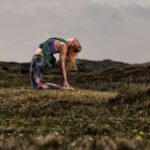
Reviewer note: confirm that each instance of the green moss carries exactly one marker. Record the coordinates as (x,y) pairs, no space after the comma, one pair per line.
(72,114)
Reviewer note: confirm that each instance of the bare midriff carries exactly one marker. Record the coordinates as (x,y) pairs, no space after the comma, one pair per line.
(38,51)
(57,46)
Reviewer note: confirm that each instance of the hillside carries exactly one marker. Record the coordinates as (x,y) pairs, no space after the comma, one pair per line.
(106,74)
(108,110)
(83,65)
(100,65)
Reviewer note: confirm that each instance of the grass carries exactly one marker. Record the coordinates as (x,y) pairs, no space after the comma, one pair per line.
(108,110)
(72,119)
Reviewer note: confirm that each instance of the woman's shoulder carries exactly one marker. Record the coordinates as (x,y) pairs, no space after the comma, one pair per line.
(59,46)
(61,40)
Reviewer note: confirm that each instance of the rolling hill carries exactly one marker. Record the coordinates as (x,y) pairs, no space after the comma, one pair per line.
(108,110)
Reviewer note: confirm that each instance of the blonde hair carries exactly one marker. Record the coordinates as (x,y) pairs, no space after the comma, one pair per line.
(71,54)
(71,62)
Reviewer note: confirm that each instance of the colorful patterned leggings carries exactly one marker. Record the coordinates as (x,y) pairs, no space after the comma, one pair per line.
(36,70)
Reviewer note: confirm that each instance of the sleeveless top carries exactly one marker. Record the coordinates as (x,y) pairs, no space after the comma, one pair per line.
(49,49)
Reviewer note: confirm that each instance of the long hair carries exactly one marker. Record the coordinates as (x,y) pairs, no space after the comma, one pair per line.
(70,61)
(71,53)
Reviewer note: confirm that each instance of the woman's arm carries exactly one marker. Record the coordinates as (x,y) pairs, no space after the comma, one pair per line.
(62,55)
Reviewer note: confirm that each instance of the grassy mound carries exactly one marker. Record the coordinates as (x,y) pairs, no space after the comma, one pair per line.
(80,119)
(109,110)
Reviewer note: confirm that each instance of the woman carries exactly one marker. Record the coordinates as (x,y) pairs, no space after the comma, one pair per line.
(43,56)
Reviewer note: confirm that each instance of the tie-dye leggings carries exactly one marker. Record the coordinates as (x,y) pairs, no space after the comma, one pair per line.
(36,69)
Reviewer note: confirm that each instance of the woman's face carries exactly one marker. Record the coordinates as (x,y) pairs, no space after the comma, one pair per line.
(76,44)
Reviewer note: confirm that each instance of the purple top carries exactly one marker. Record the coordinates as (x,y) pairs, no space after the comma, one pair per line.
(48,45)
(51,46)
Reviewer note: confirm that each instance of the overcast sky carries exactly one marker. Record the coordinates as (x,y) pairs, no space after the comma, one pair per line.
(107,29)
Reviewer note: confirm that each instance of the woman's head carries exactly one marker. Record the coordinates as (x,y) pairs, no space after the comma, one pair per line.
(74,44)
(74,48)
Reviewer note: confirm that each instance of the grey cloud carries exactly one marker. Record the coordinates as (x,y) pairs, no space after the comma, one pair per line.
(105,30)
(138,11)
(106,12)
(65,8)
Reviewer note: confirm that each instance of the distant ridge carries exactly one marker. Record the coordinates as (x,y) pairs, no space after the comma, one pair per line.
(96,71)
(100,65)
(143,64)
(82,64)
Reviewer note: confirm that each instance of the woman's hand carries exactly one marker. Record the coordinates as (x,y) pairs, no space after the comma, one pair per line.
(67,86)
(62,55)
